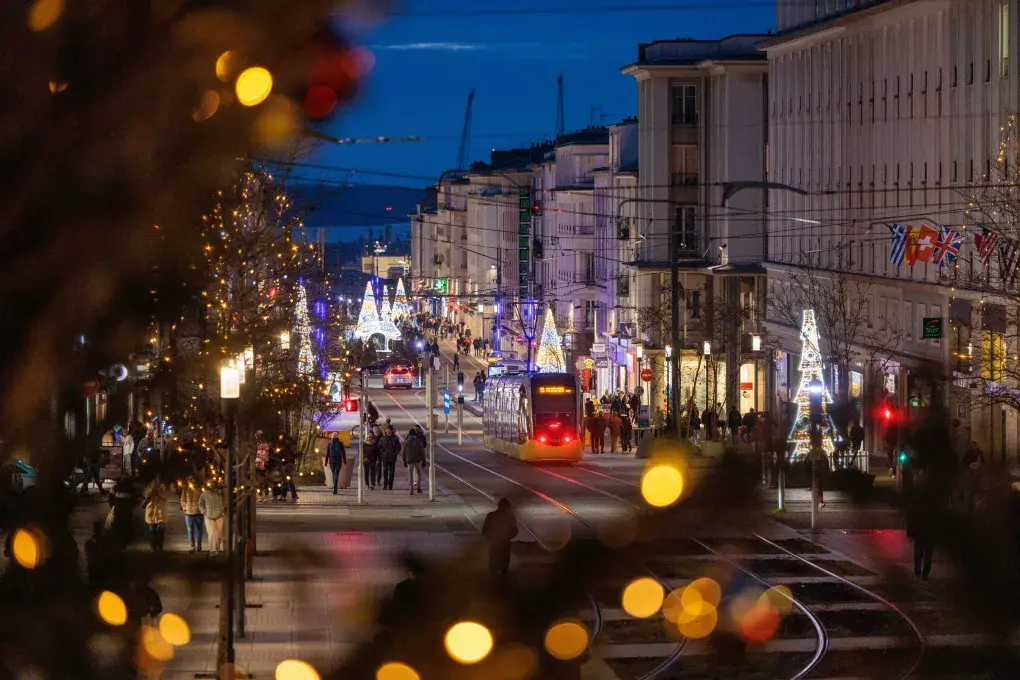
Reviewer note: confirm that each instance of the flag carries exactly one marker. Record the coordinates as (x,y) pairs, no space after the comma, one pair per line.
(910,251)
(985,244)
(924,245)
(899,244)
(947,247)
(1009,258)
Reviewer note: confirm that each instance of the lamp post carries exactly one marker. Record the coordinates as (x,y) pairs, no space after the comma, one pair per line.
(230,391)
(669,386)
(706,350)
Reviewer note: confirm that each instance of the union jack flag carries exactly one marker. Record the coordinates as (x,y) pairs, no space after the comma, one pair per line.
(947,247)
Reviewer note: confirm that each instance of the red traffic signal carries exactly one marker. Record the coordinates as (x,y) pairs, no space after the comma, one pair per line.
(351,405)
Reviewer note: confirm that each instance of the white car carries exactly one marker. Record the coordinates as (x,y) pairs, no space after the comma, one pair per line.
(398,376)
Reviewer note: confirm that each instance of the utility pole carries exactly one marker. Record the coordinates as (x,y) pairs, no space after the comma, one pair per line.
(674,287)
(817,394)
(445,397)
(363,417)
(460,407)
(429,401)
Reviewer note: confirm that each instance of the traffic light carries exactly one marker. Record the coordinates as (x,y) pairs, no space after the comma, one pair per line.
(351,405)
(903,457)
(460,381)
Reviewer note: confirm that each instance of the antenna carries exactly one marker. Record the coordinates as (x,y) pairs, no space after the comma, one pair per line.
(465,135)
(560,125)
(591,115)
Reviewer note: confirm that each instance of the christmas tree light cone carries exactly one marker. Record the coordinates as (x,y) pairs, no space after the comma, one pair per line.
(549,358)
(368,318)
(810,372)
(386,325)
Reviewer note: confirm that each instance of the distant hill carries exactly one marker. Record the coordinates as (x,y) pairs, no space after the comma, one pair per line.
(355,205)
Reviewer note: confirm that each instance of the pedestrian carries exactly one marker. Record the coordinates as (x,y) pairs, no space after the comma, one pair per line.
(635,403)
(211,505)
(599,437)
(856,437)
(193,520)
(749,421)
(91,468)
(591,424)
(287,464)
(734,420)
(708,420)
(921,523)
(694,423)
(456,361)
(626,430)
(122,504)
(156,498)
(615,427)
(413,454)
(336,458)
(389,451)
(479,383)
(127,448)
(371,461)
(500,529)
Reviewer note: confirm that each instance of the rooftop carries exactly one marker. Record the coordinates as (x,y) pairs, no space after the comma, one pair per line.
(688,51)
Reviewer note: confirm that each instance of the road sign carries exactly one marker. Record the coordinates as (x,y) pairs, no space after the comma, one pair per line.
(931,328)
(646,374)
(446,401)
(519,339)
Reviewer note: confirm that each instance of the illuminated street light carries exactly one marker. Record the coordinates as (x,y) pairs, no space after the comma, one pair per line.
(285,340)
(706,348)
(230,382)
(756,343)
(669,351)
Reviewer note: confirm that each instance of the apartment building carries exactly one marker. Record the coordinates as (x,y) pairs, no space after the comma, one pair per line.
(883,115)
(702,138)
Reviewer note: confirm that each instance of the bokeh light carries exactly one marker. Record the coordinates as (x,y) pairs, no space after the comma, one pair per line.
(57,86)
(662,485)
(395,670)
(779,598)
(155,646)
(208,104)
(226,65)
(702,624)
(278,123)
(44,13)
(253,86)
(709,590)
(174,630)
(295,669)
(566,640)
(358,62)
(642,597)
(515,662)
(743,602)
(27,548)
(111,608)
(468,642)
(760,623)
(685,604)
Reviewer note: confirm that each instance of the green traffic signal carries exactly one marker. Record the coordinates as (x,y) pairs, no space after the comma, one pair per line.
(903,457)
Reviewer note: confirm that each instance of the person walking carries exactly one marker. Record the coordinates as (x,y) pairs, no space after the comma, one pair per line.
(456,361)
(598,441)
(211,505)
(193,520)
(336,458)
(156,498)
(413,454)
(371,461)
(499,530)
(127,448)
(91,465)
(856,437)
(626,430)
(479,383)
(615,427)
(921,524)
(708,419)
(734,420)
(695,426)
(749,421)
(389,450)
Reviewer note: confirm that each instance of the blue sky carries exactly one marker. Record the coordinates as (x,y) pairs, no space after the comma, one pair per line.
(429,57)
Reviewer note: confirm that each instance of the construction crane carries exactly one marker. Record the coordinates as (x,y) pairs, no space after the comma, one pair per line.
(465,135)
(561,126)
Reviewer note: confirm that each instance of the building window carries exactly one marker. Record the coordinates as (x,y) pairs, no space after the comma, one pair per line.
(1004,39)
(685,105)
(694,304)
(970,73)
(955,176)
(988,70)
(685,164)
(993,355)
(970,170)
(952,78)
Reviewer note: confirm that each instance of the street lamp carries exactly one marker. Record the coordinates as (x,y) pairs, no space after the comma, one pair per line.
(669,386)
(755,343)
(230,391)
(706,348)
(285,340)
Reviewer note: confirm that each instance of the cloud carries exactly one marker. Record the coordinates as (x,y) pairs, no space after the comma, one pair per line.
(433,46)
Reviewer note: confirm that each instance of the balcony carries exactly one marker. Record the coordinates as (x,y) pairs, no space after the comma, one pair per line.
(685,118)
(685,179)
(584,278)
(576,229)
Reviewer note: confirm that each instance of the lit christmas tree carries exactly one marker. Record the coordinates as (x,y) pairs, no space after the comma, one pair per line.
(810,372)
(549,358)
(400,306)
(386,325)
(368,318)
(303,328)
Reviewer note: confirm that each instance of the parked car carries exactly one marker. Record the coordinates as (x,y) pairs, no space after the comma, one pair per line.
(399,375)
(376,368)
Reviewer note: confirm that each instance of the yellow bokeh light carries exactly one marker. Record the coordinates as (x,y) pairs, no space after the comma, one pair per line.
(566,640)
(111,608)
(26,548)
(702,624)
(44,13)
(155,646)
(468,642)
(278,123)
(709,590)
(294,669)
(779,598)
(515,662)
(253,86)
(226,64)
(208,104)
(395,670)
(662,485)
(642,597)
(174,630)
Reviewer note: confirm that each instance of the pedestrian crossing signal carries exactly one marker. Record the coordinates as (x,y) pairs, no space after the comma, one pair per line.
(351,405)
(903,457)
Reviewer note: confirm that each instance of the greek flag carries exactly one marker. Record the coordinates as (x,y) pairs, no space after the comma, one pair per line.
(899,244)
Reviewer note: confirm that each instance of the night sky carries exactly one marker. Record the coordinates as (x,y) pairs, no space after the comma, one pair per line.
(436,51)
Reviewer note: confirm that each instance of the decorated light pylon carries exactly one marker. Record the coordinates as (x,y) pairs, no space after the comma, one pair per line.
(810,379)
(368,318)
(386,325)
(303,328)
(400,306)
(549,358)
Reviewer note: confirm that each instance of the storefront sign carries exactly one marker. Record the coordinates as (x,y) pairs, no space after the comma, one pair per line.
(602,363)
(748,386)
(931,328)
(598,348)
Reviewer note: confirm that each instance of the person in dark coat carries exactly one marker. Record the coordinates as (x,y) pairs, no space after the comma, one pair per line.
(413,454)
(500,529)
(708,420)
(626,429)
(372,462)
(635,404)
(389,451)
(734,420)
(336,458)
(921,519)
